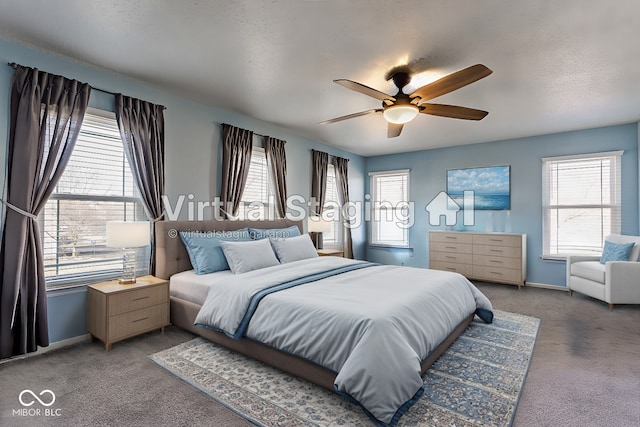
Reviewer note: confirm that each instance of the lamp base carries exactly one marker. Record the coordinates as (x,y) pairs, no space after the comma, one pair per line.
(127,281)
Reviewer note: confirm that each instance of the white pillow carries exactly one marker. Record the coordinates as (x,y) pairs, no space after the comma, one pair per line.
(248,256)
(293,248)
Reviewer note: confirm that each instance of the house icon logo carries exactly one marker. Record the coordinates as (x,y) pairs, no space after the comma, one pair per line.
(445,206)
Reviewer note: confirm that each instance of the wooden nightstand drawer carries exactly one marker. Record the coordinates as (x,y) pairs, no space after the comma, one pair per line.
(116,312)
(130,324)
(145,297)
(330,252)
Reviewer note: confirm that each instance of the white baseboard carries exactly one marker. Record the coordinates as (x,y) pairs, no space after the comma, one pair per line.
(546,286)
(53,346)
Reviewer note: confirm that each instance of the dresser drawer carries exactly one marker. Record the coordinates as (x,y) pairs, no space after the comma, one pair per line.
(134,322)
(499,251)
(497,240)
(451,247)
(450,237)
(464,269)
(148,296)
(497,261)
(460,258)
(496,274)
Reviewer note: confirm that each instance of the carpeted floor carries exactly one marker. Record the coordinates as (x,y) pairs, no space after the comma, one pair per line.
(585,372)
(477,380)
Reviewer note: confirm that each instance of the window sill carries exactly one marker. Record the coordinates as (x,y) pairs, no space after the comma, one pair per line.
(389,246)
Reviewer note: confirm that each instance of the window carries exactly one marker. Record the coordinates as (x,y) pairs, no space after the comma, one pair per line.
(95,187)
(331,211)
(257,198)
(390,208)
(581,203)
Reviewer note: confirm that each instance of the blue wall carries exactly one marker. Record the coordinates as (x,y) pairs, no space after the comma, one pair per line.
(428,178)
(192,139)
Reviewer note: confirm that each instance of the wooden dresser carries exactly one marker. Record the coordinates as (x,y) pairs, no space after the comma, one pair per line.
(116,312)
(492,257)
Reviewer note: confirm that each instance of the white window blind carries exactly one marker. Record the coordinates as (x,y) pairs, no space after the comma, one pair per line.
(258,192)
(581,202)
(331,211)
(96,187)
(389,195)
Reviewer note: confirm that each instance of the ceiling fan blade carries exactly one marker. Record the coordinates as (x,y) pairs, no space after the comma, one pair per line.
(351,116)
(394,130)
(451,82)
(453,111)
(369,91)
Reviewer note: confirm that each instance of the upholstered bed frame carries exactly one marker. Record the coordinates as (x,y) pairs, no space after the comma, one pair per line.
(172,258)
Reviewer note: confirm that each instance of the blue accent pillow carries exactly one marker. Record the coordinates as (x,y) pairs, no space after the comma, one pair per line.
(616,251)
(281,233)
(205,252)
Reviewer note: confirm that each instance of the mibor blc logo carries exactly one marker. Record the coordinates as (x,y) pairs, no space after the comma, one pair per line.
(42,402)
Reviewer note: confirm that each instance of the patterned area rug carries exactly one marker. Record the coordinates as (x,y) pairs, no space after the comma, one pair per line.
(477,381)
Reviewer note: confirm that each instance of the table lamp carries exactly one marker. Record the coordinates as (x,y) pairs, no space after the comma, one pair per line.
(316,225)
(127,236)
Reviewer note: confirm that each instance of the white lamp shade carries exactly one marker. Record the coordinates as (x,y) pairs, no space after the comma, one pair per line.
(400,114)
(316,224)
(121,234)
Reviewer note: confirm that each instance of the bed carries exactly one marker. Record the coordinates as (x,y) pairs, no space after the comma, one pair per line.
(190,291)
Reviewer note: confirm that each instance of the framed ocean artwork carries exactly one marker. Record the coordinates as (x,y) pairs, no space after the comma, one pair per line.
(491,186)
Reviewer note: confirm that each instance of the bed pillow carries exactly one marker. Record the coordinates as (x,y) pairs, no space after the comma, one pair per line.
(293,248)
(248,256)
(616,251)
(263,233)
(205,252)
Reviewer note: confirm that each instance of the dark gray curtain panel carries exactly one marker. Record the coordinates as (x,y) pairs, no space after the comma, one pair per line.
(320,163)
(277,163)
(45,119)
(341,167)
(141,127)
(236,158)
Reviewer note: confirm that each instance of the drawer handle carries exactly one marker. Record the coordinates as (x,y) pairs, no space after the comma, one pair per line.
(496,240)
(140,320)
(495,261)
(450,257)
(451,269)
(451,237)
(141,298)
(496,250)
(496,272)
(450,247)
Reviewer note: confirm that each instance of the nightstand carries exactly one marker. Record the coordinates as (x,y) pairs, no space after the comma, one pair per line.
(116,312)
(330,252)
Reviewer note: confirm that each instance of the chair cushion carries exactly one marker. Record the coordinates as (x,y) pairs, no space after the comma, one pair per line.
(591,270)
(616,251)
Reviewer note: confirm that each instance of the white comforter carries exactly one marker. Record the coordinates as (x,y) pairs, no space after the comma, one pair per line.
(373,326)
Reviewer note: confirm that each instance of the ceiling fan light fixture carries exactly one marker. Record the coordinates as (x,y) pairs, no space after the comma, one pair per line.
(400,114)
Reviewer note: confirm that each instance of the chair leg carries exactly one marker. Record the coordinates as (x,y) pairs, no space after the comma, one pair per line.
(570,292)
(610,307)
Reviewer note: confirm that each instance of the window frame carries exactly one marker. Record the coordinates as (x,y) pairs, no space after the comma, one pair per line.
(336,223)
(614,205)
(245,206)
(373,190)
(69,280)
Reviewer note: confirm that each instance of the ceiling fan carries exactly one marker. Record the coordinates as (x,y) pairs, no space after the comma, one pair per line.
(402,108)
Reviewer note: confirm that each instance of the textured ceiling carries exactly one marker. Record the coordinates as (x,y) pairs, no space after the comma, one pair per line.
(558,65)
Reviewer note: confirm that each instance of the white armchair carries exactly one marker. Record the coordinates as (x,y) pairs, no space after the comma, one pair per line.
(616,282)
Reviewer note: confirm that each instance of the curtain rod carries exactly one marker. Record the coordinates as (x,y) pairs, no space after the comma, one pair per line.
(102,90)
(255,133)
(108,92)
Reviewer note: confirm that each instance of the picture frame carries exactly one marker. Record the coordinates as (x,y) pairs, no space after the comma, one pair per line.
(491,186)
